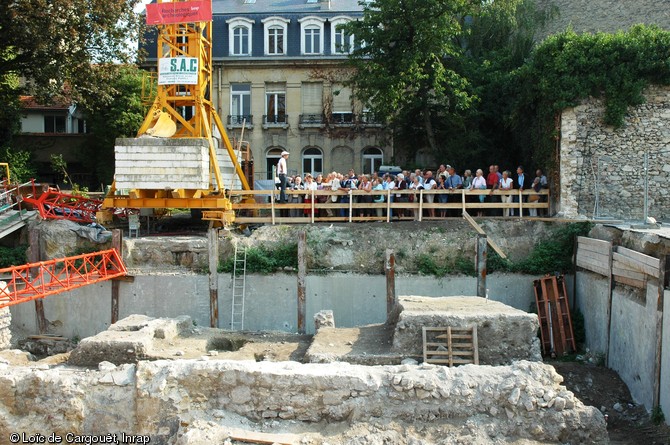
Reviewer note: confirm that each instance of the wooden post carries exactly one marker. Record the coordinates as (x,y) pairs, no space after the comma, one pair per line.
(117,243)
(34,239)
(664,271)
(302,269)
(213,252)
(389,270)
(481,265)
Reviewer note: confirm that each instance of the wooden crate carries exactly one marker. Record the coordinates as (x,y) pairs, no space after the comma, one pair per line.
(450,345)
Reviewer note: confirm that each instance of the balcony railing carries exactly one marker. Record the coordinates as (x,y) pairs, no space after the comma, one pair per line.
(236,120)
(275,120)
(311,120)
(342,119)
(369,119)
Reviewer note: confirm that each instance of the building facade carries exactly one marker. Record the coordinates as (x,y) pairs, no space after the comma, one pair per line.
(280,72)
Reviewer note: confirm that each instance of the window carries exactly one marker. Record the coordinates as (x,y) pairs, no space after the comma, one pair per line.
(239,33)
(312,161)
(311,30)
(240,103)
(341,42)
(312,106)
(342,108)
(54,124)
(275,103)
(372,158)
(275,35)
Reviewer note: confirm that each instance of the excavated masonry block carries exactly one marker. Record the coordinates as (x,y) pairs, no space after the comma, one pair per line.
(5,334)
(117,347)
(156,163)
(504,334)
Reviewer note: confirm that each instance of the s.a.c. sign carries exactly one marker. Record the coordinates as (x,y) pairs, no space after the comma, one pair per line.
(178,71)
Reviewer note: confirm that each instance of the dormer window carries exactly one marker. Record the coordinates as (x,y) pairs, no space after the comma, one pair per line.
(341,41)
(239,35)
(275,35)
(311,35)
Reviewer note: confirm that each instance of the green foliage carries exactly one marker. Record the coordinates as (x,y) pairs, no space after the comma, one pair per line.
(657,416)
(13,256)
(427,265)
(569,67)
(555,254)
(68,46)
(120,115)
(266,260)
(20,162)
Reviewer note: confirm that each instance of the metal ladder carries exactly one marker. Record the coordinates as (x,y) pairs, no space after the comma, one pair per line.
(239,288)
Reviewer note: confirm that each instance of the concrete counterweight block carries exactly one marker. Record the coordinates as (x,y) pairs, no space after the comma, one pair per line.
(148,163)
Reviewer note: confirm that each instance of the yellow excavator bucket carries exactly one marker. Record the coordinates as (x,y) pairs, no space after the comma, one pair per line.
(164,126)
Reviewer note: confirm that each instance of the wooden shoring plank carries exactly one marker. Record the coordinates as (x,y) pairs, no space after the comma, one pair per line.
(599,269)
(635,263)
(262,438)
(583,240)
(646,259)
(594,249)
(479,230)
(628,273)
(630,282)
(599,258)
(451,357)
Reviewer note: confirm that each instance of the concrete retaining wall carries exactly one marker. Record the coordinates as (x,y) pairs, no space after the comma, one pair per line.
(271,302)
(665,359)
(631,347)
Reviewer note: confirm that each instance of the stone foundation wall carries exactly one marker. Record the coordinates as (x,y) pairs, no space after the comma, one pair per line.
(5,334)
(160,398)
(605,164)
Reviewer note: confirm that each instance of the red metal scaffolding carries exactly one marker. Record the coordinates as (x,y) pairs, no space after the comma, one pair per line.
(38,280)
(52,204)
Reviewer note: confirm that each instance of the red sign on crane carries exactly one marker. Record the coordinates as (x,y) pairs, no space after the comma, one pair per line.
(179,12)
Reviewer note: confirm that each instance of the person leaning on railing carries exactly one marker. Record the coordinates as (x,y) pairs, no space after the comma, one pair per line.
(479,183)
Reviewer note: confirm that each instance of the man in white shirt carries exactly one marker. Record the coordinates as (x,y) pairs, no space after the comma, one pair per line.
(281,172)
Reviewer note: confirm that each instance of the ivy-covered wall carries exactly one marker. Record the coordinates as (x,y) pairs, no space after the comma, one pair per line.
(603,163)
(605,15)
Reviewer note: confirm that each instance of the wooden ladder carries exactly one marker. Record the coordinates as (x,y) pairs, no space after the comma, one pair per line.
(553,311)
(450,345)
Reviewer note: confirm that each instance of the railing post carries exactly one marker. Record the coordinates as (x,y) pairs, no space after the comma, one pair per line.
(463,199)
(302,270)
(390,281)
(420,205)
(388,205)
(351,205)
(313,206)
(481,265)
(272,205)
(520,204)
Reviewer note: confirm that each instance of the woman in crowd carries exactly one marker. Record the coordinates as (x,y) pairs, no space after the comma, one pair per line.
(442,198)
(295,199)
(366,200)
(310,185)
(479,183)
(506,184)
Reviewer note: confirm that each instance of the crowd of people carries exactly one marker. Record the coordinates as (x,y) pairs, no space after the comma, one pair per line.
(444,178)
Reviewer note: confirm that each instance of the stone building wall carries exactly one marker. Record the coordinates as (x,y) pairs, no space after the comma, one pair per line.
(605,15)
(602,168)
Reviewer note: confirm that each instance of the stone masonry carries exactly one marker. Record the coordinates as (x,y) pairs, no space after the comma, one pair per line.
(598,157)
(5,334)
(521,401)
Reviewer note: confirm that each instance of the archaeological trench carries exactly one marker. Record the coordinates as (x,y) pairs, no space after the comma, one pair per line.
(160,375)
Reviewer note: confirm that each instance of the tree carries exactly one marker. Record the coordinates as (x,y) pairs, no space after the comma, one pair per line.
(67,45)
(122,117)
(434,70)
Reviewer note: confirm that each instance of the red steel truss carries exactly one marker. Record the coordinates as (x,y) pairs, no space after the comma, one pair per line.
(52,204)
(39,280)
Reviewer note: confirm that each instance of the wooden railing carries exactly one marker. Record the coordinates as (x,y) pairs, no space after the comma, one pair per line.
(261,206)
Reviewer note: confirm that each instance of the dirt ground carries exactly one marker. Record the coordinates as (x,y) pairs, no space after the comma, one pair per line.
(598,386)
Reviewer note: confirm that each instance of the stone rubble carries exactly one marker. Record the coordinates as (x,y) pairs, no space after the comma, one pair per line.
(522,401)
(5,322)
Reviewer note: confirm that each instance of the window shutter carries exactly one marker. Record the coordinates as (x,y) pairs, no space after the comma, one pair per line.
(311,98)
(341,100)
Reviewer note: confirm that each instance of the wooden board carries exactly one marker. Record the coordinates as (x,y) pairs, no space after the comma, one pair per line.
(654,263)
(628,273)
(263,438)
(450,345)
(589,264)
(630,282)
(630,263)
(479,230)
(586,254)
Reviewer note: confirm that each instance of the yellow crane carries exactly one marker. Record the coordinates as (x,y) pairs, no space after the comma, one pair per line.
(176,136)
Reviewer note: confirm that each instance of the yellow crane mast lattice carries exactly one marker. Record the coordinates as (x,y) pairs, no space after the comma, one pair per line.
(181,111)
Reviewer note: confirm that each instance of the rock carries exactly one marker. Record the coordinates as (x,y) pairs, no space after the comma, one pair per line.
(618,407)
(409,361)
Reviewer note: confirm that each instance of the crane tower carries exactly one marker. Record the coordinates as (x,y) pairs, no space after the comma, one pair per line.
(176,160)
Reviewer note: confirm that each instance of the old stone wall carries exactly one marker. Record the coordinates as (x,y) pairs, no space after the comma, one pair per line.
(160,398)
(5,334)
(602,168)
(605,15)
